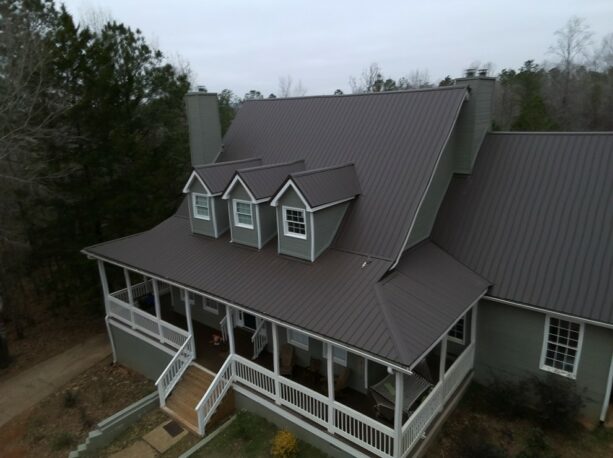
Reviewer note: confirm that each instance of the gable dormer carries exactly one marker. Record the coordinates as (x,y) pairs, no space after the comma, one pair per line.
(252,219)
(310,207)
(208,214)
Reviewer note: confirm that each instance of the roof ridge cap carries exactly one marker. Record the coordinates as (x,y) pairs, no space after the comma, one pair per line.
(219,164)
(322,169)
(398,346)
(269,166)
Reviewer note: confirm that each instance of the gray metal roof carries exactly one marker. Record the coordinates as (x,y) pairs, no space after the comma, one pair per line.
(335,296)
(218,175)
(424,296)
(263,181)
(393,138)
(536,219)
(328,184)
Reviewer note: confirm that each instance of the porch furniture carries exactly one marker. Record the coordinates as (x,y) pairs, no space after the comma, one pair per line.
(384,394)
(287,359)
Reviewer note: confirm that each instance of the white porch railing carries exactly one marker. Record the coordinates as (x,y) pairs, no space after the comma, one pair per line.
(146,323)
(214,395)
(416,425)
(367,432)
(259,338)
(139,290)
(175,370)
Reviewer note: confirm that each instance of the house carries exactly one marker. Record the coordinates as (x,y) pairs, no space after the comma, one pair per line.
(347,264)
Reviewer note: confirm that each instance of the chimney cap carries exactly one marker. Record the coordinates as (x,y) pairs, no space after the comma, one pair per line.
(483,71)
(470,72)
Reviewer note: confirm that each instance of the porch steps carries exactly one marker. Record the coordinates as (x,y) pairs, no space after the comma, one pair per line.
(181,403)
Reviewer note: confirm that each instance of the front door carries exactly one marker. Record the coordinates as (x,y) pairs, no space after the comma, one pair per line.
(246,320)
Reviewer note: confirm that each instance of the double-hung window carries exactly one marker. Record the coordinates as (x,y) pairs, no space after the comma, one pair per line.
(339,356)
(298,339)
(209,305)
(187,294)
(456,334)
(294,222)
(243,216)
(561,346)
(200,204)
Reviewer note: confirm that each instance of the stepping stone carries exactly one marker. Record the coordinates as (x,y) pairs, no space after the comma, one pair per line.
(165,436)
(139,449)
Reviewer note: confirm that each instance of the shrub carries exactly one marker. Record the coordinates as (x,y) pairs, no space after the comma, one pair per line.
(70,399)
(536,446)
(62,441)
(508,399)
(475,442)
(558,403)
(284,445)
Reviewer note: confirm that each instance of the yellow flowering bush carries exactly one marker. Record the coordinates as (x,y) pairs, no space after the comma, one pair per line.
(284,445)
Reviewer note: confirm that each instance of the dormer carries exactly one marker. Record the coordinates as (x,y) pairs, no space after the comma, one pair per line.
(310,207)
(208,214)
(252,219)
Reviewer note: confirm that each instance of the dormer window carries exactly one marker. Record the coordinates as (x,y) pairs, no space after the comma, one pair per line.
(242,214)
(294,222)
(201,206)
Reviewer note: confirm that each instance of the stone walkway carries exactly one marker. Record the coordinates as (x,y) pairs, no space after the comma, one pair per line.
(32,385)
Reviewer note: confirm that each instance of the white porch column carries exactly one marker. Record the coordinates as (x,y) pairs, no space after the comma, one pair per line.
(188,314)
(399,392)
(158,308)
(473,324)
(443,361)
(275,355)
(230,326)
(105,285)
(126,275)
(330,366)
(365,373)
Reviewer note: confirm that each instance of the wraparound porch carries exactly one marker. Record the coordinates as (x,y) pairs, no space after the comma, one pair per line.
(350,419)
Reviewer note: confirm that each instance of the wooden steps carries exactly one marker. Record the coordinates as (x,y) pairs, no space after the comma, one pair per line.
(181,403)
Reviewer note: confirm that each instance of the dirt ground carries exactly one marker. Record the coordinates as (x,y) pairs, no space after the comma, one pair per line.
(62,420)
(48,334)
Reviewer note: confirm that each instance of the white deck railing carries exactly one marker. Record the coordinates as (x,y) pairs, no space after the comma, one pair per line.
(146,323)
(175,370)
(214,395)
(259,338)
(139,290)
(415,427)
(367,432)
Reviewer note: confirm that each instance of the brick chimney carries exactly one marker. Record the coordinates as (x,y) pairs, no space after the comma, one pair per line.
(204,127)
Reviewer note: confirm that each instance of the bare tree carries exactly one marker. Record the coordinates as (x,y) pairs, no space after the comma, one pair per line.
(572,43)
(370,80)
(604,56)
(288,89)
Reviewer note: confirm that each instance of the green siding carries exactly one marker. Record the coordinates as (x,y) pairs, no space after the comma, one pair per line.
(205,317)
(204,127)
(201,226)
(292,246)
(474,121)
(326,223)
(138,354)
(242,235)
(509,344)
(268,222)
(436,192)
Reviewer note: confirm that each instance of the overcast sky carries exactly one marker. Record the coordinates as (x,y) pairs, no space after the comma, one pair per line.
(245,45)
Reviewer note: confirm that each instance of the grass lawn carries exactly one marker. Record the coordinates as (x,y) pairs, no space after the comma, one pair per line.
(249,436)
(475,430)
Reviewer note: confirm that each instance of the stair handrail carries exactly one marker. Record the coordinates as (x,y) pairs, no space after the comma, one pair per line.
(214,394)
(175,369)
(258,329)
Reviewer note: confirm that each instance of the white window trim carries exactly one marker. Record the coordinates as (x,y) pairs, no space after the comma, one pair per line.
(191,296)
(286,230)
(561,372)
(295,343)
(208,206)
(461,341)
(235,213)
(336,359)
(207,308)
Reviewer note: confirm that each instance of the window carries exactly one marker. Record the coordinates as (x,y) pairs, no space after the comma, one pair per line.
(298,339)
(456,334)
(339,356)
(294,222)
(201,206)
(190,296)
(561,346)
(242,214)
(209,305)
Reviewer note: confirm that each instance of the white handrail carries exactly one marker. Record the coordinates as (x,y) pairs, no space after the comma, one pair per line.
(175,370)
(259,339)
(369,433)
(214,394)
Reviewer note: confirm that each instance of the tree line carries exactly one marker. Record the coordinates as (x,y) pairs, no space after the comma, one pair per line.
(93,135)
